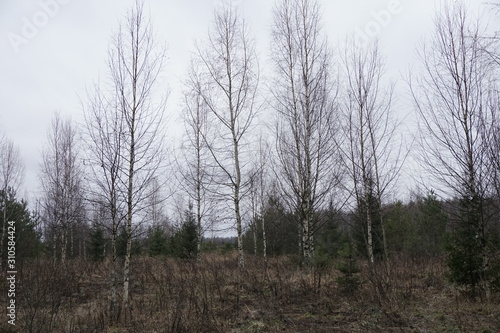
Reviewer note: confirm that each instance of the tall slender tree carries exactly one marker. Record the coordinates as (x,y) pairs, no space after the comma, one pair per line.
(372,157)
(258,190)
(135,63)
(61,179)
(196,162)
(125,125)
(104,148)
(228,81)
(451,97)
(304,98)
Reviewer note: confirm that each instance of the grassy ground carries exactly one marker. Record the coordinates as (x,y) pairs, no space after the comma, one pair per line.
(169,295)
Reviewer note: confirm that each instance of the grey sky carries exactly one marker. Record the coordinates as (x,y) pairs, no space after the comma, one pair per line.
(49,70)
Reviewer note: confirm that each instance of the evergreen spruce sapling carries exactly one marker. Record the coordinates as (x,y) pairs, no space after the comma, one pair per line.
(28,243)
(349,281)
(466,249)
(185,240)
(97,244)
(158,242)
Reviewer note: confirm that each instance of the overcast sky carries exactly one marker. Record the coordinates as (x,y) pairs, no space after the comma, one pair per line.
(51,50)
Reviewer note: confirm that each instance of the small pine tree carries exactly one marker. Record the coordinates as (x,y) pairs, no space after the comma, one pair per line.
(466,248)
(28,243)
(97,244)
(349,281)
(158,242)
(185,240)
(328,240)
(121,244)
(432,226)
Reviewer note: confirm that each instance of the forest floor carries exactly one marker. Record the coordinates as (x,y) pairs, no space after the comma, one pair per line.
(170,295)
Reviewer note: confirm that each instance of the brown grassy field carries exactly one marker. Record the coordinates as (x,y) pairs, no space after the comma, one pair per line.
(169,295)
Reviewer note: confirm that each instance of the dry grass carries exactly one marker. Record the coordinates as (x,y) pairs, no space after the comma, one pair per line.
(170,295)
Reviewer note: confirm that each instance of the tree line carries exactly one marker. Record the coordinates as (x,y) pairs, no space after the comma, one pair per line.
(303,162)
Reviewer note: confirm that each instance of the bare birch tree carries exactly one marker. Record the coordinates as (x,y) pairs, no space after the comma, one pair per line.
(254,219)
(451,97)
(372,155)
(197,174)
(492,131)
(135,63)
(263,191)
(104,140)
(304,97)
(61,179)
(154,212)
(11,174)
(258,190)
(491,122)
(125,126)
(228,84)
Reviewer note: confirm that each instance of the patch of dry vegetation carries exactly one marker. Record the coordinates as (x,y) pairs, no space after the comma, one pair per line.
(170,295)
